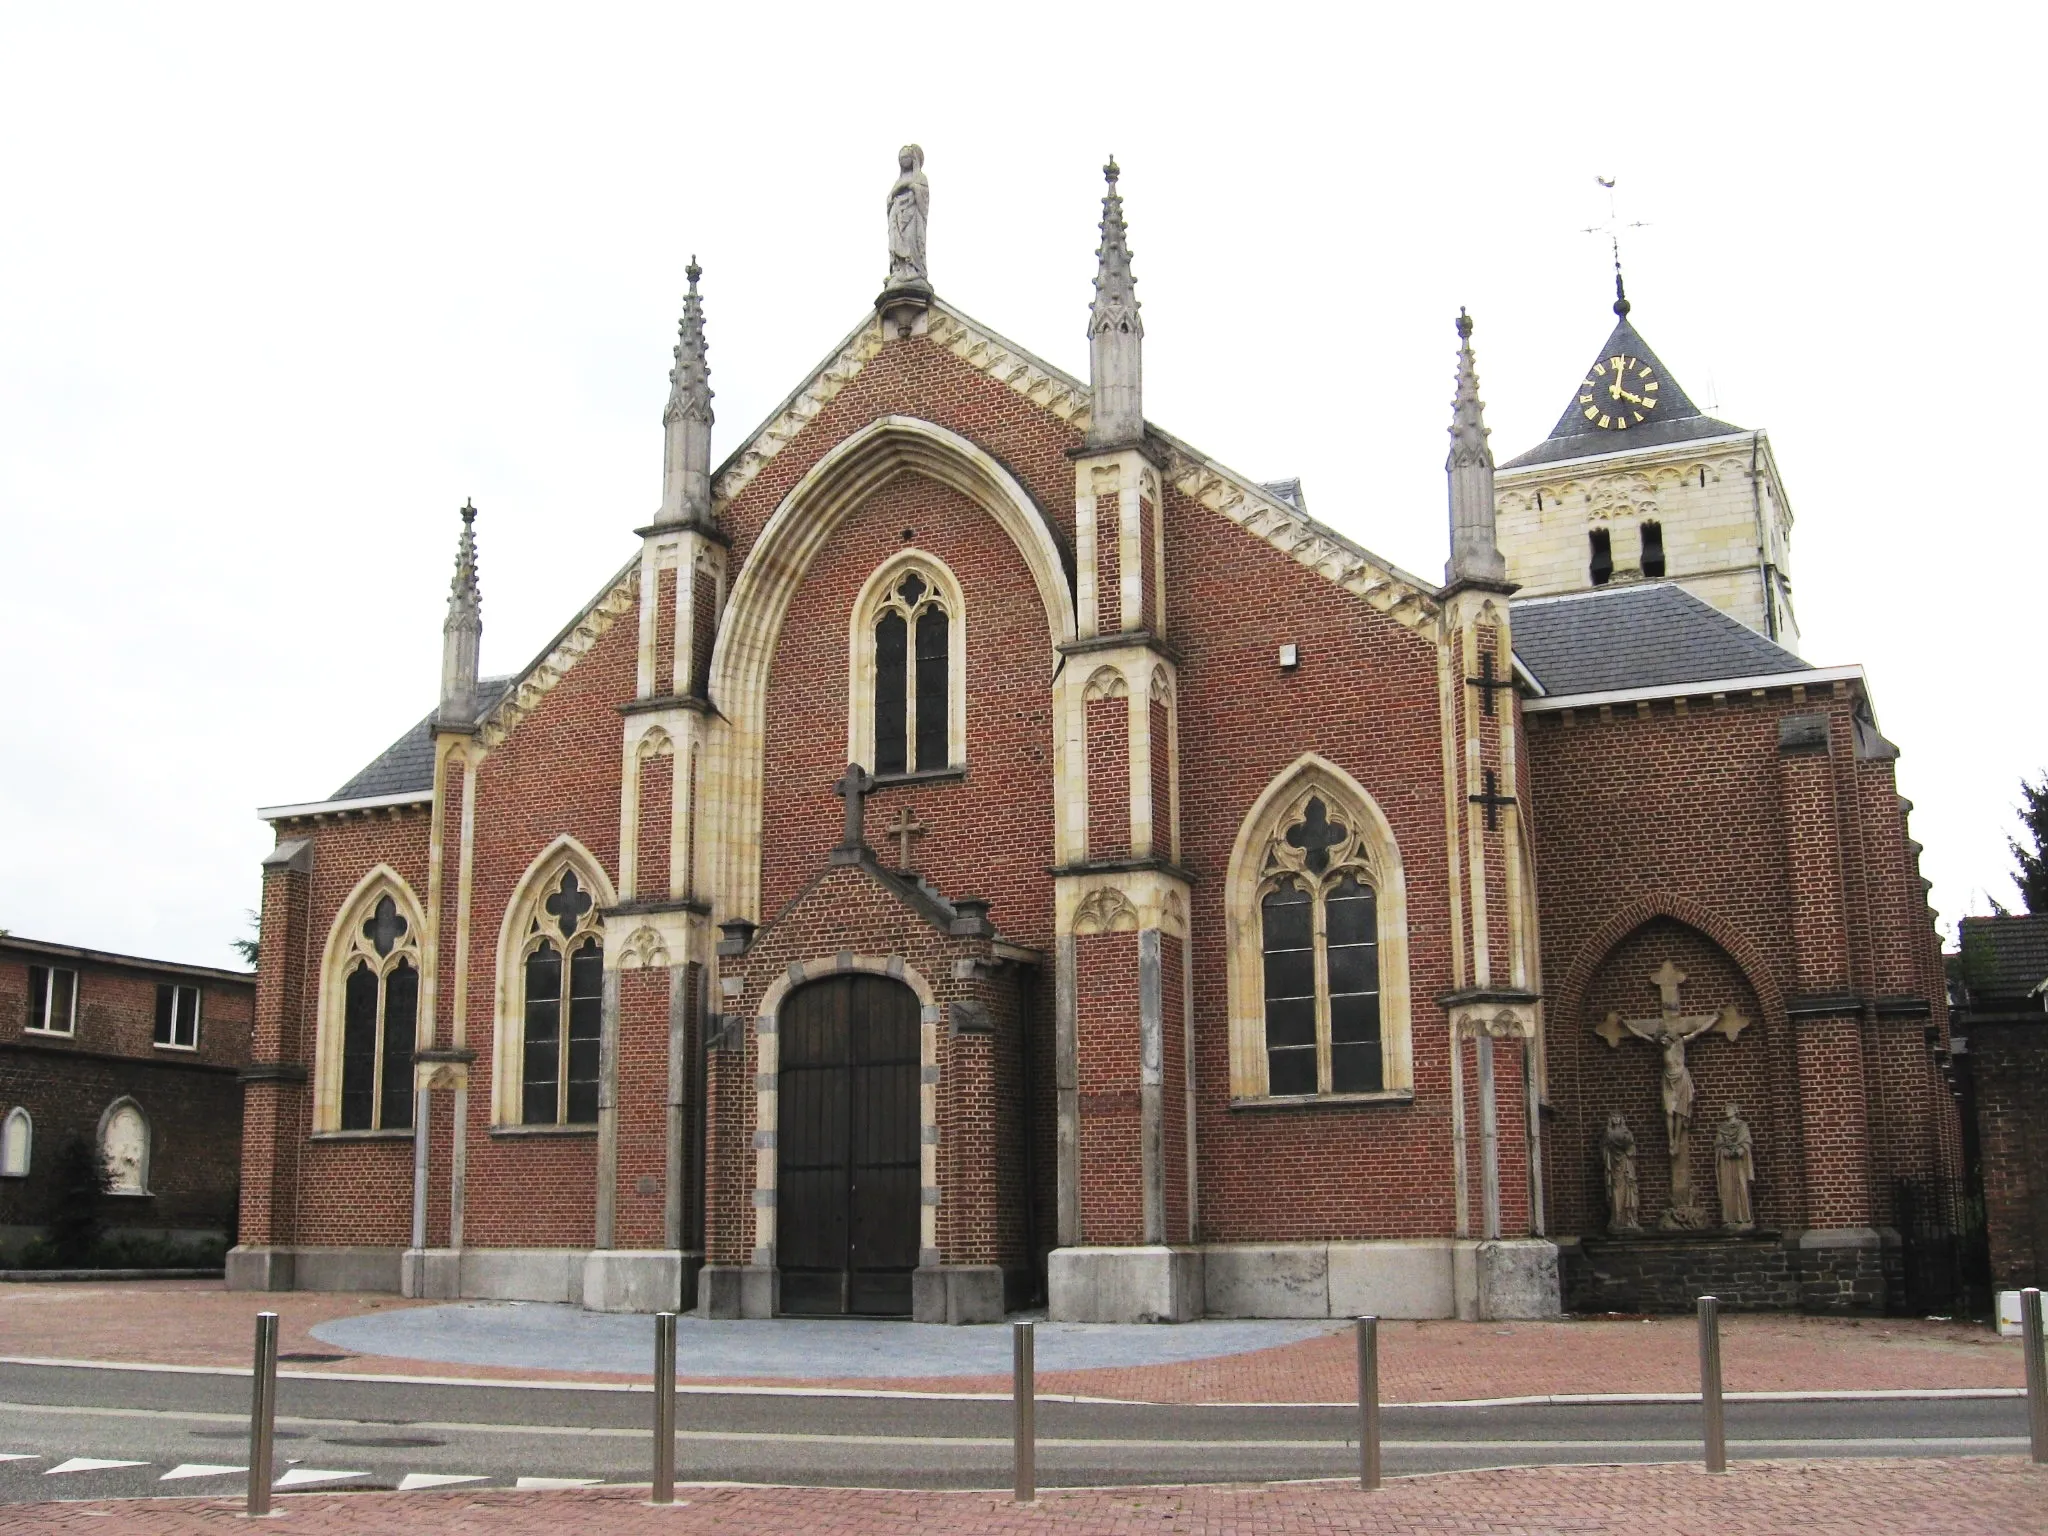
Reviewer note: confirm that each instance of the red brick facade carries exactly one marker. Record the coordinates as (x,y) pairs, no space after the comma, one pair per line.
(1781,882)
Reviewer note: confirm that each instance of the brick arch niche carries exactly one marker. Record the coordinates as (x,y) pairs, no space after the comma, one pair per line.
(1590,1079)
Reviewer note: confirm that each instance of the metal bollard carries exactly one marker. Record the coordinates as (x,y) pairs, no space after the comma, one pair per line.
(263,1413)
(2037,1375)
(1024,1410)
(664,1490)
(1368,1403)
(1714,1423)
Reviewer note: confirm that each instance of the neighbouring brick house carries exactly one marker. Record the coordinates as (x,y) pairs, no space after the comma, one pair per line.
(980,843)
(1999,1003)
(137,1057)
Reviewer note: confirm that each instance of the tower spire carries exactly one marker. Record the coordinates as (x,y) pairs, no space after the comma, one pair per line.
(1475,554)
(1115,332)
(686,456)
(462,634)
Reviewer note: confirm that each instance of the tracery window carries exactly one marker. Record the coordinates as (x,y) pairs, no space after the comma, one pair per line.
(1319,929)
(562,968)
(1318,958)
(908,656)
(379,1020)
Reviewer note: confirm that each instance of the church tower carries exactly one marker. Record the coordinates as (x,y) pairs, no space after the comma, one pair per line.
(1636,483)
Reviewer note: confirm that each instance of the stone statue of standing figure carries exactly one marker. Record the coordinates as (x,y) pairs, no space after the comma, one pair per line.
(910,200)
(1734,1170)
(1618,1153)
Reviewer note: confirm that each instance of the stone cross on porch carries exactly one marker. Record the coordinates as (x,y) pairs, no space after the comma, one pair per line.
(903,829)
(1670,1031)
(853,788)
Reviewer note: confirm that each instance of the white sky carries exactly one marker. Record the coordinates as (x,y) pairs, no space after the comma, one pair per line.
(281,285)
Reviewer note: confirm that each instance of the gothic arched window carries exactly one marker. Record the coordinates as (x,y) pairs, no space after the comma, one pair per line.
(908,691)
(1316,904)
(380,1022)
(562,971)
(17,1140)
(1319,941)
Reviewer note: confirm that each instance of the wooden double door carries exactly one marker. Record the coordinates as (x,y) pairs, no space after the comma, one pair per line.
(847,1147)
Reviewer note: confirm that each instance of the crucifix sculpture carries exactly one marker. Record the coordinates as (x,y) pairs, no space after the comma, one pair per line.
(903,829)
(853,787)
(1669,1031)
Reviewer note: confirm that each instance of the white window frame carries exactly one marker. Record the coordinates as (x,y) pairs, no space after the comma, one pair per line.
(42,1004)
(178,991)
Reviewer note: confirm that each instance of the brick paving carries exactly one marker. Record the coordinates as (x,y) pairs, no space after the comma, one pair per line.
(1981,1496)
(200,1323)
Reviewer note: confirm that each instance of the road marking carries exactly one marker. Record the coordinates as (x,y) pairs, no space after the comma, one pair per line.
(298,1476)
(19,1456)
(198,1469)
(413,1481)
(557,1482)
(90,1464)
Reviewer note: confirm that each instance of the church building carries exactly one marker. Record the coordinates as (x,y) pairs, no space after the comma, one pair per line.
(981,849)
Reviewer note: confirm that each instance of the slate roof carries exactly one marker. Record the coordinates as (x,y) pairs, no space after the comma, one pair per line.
(407,765)
(1642,635)
(1677,420)
(2008,956)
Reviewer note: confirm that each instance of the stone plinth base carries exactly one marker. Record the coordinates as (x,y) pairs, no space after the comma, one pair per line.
(1124,1285)
(633,1280)
(314,1269)
(957,1293)
(261,1269)
(1820,1270)
(1507,1279)
(433,1274)
(738,1290)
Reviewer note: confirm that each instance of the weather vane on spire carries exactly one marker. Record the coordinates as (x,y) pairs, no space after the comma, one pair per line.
(1612,230)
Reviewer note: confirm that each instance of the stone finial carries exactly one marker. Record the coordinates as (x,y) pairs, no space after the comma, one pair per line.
(1115,331)
(686,459)
(462,634)
(1475,555)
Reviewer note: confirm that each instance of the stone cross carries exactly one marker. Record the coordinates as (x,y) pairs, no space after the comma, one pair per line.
(903,829)
(1669,1031)
(853,788)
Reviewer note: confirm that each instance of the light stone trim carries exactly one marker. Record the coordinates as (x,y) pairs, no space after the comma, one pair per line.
(540,677)
(836,486)
(508,1064)
(1270,815)
(768,1095)
(875,595)
(860,347)
(335,957)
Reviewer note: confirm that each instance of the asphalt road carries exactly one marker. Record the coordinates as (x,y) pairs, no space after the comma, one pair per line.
(369,1434)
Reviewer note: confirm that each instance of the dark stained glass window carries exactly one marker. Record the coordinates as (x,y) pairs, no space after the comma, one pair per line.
(932,692)
(1288,932)
(359,1049)
(542,1064)
(586,1016)
(1351,928)
(401,1020)
(892,671)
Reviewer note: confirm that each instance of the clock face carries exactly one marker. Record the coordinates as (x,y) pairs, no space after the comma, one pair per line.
(1620,392)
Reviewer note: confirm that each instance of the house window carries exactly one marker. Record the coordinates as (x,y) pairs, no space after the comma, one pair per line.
(908,655)
(1319,931)
(17,1139)
(380,1006)
(1653,549)
(52,999)
(177,1016)
(563,971)
(1603,556)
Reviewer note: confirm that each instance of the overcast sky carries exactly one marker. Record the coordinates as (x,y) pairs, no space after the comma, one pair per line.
(281,285)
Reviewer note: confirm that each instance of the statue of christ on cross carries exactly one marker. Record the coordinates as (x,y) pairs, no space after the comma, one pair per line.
(1670,1031)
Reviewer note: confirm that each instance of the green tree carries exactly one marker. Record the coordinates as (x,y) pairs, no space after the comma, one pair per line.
(2033,862)
(246,948)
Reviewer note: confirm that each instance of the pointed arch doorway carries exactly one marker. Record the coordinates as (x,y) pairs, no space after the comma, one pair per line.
(847,1147)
